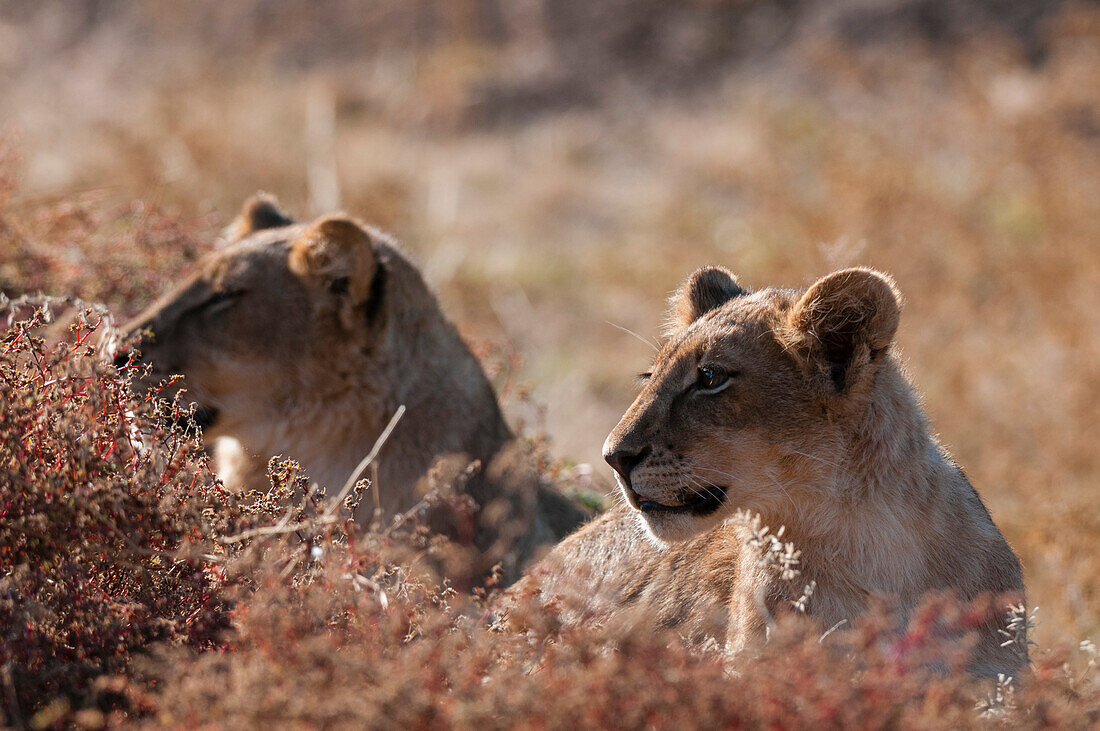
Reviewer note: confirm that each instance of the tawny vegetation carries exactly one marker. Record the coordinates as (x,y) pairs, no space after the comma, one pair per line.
(793,405)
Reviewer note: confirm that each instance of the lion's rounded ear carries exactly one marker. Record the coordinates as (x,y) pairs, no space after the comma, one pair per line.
(705,290)
(336,253)
(259,212)
(844,322)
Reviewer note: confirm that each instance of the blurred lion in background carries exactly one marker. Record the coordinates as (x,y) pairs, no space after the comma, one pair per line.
(304,339)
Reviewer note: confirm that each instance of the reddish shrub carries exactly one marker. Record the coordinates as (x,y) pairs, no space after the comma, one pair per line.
(340,649)
(104,500)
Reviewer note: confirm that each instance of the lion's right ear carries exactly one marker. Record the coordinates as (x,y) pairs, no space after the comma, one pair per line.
(259,212)
(843,323)
(706,289)
(337,253)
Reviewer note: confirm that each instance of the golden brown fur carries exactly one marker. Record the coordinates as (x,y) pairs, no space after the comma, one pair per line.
(793,405)
(303,340)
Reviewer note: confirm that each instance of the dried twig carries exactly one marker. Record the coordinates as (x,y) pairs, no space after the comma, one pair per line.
(335,504)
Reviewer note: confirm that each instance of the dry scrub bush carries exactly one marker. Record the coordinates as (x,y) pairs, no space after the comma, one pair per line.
(105,251)
(334,652)
(103,497)
(115,535)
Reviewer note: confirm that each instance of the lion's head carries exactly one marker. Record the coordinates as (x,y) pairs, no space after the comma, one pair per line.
(303,339)
(751,397)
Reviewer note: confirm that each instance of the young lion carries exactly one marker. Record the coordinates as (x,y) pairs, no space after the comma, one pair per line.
(793,405)
(304,339)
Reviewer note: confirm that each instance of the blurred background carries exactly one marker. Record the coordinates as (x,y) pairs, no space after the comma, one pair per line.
(558,166)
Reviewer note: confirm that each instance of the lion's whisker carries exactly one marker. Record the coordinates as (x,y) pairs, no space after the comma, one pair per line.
(711,490)
(819,459)
(720,472)
(771,477)
(782,489)
(631,332)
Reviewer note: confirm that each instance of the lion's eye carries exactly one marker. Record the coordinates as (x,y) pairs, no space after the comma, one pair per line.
(221,301)
(711,380)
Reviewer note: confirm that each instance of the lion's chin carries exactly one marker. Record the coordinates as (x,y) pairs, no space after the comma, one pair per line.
(663,528)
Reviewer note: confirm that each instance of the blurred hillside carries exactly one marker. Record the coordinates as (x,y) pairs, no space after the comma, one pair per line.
(559,166)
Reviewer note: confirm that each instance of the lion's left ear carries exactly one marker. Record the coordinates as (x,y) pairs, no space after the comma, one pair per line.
(338,254)
(706,289)
(843,323)
(259,212)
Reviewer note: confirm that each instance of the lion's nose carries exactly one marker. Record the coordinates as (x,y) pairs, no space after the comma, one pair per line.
(624,461)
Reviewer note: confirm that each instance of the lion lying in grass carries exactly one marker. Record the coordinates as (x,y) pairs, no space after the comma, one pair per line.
(792,405)
(303,340)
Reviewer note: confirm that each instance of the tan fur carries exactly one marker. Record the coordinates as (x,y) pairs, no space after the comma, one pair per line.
(817,429)
(303,340)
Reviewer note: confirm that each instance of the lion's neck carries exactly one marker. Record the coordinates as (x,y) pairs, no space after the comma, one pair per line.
(445,392)
(865,521)
(450,408)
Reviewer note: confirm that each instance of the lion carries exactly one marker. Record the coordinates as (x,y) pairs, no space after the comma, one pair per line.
(304,339)
(793,405)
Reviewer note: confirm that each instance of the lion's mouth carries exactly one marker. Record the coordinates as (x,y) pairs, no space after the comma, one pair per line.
(699,503)
(204,416)
(201,416)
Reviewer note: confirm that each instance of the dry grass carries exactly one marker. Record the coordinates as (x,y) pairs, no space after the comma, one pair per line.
(968,169)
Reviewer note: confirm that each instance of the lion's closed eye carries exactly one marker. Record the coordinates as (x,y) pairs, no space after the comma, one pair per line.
(220,302)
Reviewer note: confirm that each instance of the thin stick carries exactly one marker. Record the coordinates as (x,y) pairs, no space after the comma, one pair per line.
(320,144)
(274,530)
(377,490)
(335,505)
(832,629)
